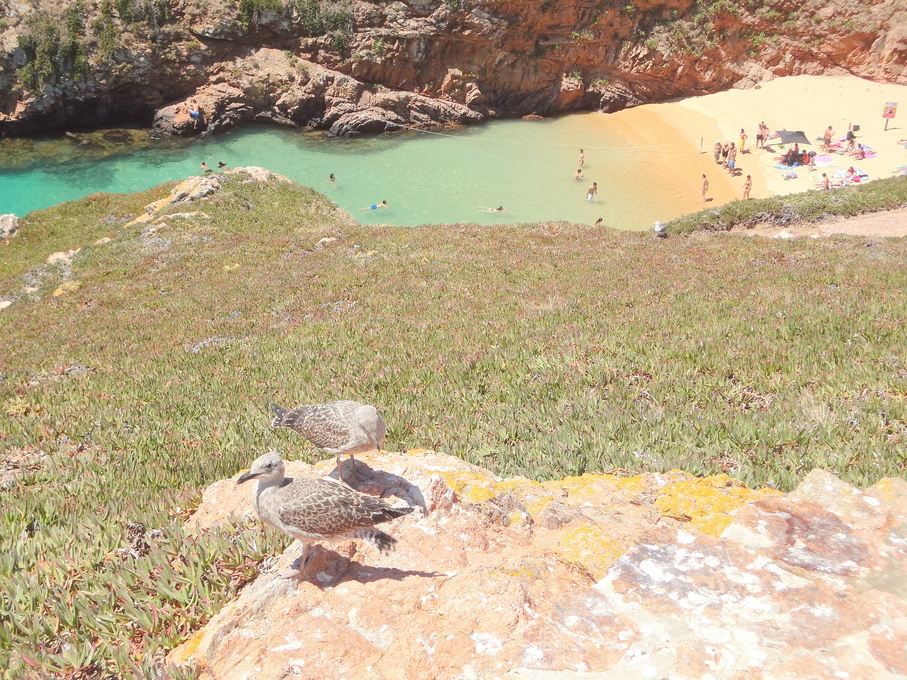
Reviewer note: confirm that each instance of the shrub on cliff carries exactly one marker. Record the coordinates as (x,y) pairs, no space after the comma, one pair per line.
(50,56)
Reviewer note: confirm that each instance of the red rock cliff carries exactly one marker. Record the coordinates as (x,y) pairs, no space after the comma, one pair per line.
(355,66)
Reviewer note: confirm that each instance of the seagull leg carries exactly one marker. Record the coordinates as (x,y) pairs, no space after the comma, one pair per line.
(301,560)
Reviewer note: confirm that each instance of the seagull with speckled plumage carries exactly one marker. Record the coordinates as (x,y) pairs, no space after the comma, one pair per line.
(310,509)
(338,427)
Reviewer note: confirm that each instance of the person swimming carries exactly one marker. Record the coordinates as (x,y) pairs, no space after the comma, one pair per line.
(205,167)
(598,222)
(500,209)
(221,165)
(382,204)
(332,179)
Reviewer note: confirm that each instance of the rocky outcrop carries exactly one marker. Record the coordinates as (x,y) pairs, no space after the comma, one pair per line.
(9,225)
(658,575)
(426,62)
(201,186)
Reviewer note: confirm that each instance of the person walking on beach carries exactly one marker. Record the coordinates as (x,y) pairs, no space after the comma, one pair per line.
(581,161)
(705,187)
(717,150)
(592,191)
(743,139)
(747,187)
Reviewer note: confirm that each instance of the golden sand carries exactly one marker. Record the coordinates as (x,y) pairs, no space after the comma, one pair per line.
(807,103)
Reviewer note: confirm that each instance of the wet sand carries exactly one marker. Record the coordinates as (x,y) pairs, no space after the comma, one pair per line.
(807,103)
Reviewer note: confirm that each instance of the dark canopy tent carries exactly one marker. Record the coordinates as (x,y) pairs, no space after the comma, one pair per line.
(792,136)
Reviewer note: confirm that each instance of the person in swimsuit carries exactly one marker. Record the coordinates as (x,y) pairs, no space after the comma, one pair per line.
(743,139)
(582,158)
(222,166)
(332,179)
(205,167)
(382,204)
(747,187)
(717,150)
(578,175)
(592,191)
(598,222)
(705,187)
(499,209)
(760,136)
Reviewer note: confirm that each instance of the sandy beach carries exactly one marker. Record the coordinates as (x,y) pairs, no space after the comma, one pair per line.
(807,103)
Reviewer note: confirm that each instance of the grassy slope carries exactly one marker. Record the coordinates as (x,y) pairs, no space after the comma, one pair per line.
(538,350)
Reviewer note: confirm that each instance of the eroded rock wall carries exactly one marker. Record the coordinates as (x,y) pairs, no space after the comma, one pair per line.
(355,66)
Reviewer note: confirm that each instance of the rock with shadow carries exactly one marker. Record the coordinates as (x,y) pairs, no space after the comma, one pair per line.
(660,575)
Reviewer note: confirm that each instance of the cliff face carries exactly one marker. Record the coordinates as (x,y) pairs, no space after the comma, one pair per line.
(355,66)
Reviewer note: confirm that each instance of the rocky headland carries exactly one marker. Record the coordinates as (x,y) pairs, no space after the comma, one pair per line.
(597,576)
(356,66)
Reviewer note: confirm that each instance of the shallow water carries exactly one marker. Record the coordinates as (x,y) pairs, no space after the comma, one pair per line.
(526,166)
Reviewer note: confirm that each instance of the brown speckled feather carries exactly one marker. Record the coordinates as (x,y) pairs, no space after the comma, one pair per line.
(322,508)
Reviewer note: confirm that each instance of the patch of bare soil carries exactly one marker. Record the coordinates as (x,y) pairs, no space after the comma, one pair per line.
(889,223)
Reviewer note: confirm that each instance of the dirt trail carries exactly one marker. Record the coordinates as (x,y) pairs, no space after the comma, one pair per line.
(889,223)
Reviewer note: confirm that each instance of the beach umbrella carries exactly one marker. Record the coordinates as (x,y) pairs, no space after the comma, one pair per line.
(792,136)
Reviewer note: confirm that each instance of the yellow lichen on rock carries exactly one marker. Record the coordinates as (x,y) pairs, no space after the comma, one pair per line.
(590,548)
(708,503)
(471,486)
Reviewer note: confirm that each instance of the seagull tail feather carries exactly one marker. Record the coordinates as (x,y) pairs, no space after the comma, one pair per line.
(377,539)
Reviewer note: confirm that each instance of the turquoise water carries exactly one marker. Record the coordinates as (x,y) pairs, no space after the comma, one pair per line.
(526,166)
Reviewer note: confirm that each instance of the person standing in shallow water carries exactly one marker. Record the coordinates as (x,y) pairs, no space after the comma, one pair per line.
(581,161)
(592,192)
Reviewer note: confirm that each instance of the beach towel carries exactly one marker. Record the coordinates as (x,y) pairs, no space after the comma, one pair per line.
(823,157)
(871,154)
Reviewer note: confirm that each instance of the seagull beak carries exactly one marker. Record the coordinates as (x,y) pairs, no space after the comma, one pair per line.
(246,476)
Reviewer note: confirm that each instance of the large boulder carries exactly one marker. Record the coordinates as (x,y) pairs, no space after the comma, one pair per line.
(653,576)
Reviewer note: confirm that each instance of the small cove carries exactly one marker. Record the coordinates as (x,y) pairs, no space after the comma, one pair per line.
(448,177)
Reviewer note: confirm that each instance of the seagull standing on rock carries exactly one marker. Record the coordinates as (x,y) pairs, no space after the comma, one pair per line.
(338,427)
(316,509)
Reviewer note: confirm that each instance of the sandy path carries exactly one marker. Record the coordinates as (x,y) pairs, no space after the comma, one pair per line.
(890,223)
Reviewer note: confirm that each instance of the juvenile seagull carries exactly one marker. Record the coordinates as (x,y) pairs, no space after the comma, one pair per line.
(338,427)
(314,509)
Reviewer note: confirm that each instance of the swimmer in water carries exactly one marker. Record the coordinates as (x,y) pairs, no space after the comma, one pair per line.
(499,209)
(222,166)
(382,204)
(205,167)
(578,175)
(332,179)
(598,222)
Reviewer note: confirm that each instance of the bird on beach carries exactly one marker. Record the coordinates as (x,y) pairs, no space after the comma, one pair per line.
(317,509)
(338,427)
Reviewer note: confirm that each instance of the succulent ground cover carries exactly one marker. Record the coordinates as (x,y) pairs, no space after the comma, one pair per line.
(809,206)
(541,350)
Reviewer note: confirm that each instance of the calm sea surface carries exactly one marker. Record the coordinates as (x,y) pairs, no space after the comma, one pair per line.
(525,166)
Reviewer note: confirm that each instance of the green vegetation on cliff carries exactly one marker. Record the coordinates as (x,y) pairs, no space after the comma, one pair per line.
(809,206)
(541,350)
